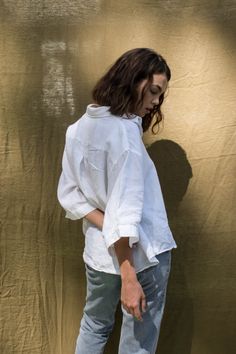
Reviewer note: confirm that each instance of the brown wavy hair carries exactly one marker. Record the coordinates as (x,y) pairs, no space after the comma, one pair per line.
(118,88)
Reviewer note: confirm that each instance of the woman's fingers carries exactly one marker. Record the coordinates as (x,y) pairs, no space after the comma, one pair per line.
(143,304)
(137,313)
(138,309)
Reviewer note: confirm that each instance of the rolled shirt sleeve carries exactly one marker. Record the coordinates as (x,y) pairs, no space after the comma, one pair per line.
(69,193)
(125,199)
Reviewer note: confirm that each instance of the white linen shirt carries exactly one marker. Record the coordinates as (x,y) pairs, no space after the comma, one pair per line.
(105,165)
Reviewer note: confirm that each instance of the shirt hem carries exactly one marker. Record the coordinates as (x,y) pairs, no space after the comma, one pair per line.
(114,272)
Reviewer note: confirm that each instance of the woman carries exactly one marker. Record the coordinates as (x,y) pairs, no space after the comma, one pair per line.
(109,180)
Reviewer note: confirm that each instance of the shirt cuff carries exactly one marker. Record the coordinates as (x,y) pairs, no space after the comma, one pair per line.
(79,214)
(130,231)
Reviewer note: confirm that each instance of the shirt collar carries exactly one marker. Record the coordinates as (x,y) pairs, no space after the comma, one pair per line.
(136,119)
(104,111)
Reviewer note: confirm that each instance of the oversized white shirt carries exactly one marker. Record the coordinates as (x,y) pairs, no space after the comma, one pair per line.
(105,165)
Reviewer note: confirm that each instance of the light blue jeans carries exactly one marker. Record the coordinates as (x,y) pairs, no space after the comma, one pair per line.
(103,294)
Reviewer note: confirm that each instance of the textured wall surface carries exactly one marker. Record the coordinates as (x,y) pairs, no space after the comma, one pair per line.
(51,54)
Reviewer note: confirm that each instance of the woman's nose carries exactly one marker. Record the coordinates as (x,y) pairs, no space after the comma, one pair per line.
(155,101)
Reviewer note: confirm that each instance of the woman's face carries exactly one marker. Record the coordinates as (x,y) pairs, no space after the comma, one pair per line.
(152,94)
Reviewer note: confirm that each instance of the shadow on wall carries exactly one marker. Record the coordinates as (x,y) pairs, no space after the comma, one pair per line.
(174,173)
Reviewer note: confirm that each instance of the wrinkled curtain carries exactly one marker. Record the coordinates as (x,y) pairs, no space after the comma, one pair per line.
(51,54)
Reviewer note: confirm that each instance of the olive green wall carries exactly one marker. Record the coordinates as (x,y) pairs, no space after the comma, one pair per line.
(51,54)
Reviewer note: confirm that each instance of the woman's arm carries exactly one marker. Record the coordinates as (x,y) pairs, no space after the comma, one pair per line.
(96,217)
(132,295)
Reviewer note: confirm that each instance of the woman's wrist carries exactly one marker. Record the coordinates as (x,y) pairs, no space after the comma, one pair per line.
(127,272)
(125,258)
(96,217)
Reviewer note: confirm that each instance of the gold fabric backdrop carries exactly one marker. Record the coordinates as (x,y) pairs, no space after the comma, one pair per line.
(51,54)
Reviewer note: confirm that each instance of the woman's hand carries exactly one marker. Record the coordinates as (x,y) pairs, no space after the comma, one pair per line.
(132,297)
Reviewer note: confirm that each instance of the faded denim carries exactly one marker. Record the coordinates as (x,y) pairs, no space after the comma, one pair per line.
(103,294)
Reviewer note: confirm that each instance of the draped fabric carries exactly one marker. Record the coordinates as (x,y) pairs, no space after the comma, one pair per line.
(51,54)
